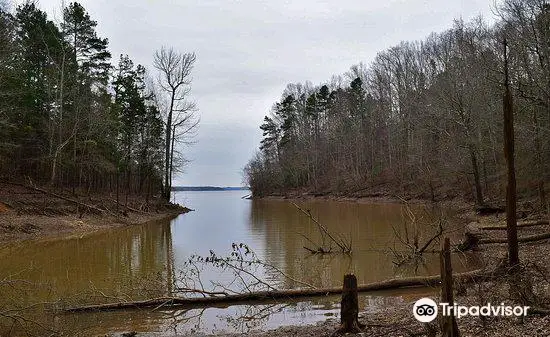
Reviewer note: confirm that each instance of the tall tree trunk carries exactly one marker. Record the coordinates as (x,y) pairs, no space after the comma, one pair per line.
(540,163)
(475,169)
(60,128)
(117,190)
(172,154)
(74,164)
(167,161)
(511,221)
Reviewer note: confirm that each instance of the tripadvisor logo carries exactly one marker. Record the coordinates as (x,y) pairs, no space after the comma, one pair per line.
(425,310)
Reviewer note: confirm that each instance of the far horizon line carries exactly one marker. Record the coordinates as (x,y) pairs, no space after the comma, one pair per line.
(209,186)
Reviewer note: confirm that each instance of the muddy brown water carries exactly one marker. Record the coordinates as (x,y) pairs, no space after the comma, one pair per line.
(146,261)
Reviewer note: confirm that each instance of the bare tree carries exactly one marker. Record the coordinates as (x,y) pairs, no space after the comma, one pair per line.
(174,80)
(527,28)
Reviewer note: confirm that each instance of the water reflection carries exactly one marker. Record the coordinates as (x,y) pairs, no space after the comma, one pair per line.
(369,226)
(145,261)
(106,261)
(129,263)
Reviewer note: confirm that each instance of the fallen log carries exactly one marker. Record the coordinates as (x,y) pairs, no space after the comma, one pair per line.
(527,238)
(538,311)
(520,225)
(417,281)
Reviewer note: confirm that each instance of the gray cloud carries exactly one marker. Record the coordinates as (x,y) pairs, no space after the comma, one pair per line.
(223,151)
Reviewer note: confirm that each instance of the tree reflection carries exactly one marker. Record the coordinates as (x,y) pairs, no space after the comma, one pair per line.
(369,224)
(252,317)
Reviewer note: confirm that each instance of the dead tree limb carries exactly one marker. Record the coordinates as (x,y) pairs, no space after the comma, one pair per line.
(429,242)
(511,193)
(344,246)
(128,207)
(428,281)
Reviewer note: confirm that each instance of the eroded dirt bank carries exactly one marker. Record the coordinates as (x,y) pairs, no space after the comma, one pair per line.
(29,213)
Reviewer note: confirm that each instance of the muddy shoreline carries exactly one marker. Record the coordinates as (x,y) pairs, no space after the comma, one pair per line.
(14,229)
(26,214)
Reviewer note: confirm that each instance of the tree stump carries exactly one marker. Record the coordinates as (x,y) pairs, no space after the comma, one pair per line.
(349,309)
(449,327)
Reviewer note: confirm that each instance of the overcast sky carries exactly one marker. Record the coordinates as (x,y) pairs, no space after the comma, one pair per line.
(248,51)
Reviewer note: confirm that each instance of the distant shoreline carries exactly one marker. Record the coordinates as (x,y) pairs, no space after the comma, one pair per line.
(208,188)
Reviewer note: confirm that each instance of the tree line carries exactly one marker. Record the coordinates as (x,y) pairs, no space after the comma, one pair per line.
(424,118)
(70,119)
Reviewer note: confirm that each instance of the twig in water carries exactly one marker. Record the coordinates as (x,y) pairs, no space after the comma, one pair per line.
(345,247)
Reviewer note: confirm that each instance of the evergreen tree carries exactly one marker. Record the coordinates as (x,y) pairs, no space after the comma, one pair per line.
(90,54)
(8,80)
(35,52)
(59,122)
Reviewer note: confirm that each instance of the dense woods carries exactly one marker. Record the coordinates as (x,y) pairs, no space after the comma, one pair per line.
(69,119)
(423,118)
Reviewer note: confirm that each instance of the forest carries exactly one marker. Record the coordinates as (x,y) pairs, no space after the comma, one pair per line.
(423,119)
(70,120)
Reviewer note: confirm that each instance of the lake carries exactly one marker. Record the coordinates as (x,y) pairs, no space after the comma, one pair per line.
(152,260)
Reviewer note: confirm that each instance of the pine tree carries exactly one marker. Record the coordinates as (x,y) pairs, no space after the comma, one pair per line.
(87,79)
(37,42)
(90,54)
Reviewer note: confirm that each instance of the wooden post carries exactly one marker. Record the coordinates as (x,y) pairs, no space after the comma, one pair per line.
(448,323)
(349,309)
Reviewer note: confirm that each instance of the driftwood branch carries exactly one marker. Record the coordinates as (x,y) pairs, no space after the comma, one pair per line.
(415,252)
(429,281)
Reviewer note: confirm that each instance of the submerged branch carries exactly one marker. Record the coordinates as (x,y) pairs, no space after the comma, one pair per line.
(344,246)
